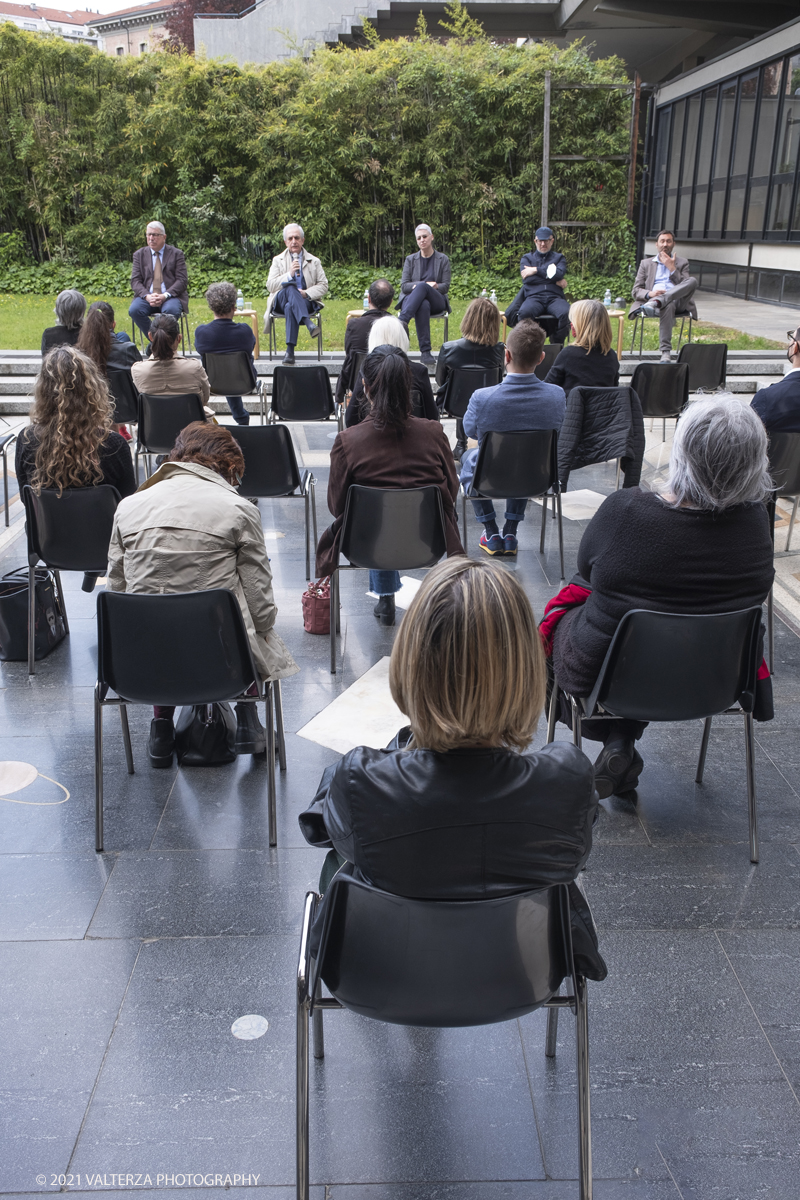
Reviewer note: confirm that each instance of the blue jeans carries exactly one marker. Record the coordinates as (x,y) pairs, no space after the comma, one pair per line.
(384,583)
(140,312)
(418,305)
(295,308)
(240,414)
(484,509)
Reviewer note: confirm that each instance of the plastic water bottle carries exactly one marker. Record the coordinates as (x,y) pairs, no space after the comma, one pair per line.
(607,298)
(493,297)
(366,298)
(484,294)
(239,300)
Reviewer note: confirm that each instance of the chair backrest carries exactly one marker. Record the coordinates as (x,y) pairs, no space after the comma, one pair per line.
(443,963)
(521,462)
(71,532)
(125,394)
(464,381)
(678,667)
(302,393)
(393,530)
(161,418)
(229,374)
(183,648)
(662,388)
(784,462)
(708,365)
(270,463)
(551,353)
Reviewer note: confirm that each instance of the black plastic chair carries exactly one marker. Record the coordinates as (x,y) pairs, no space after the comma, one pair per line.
(270,469)
(640,318)
(600,427)
(161,418)
(302,394)
(784,467)
(521,462)
(678,667)
(180,648)
(230,375)
(463,381)
(6,442)
(126,396)
(70,532)
(386,529)
(663,390)
(272,335)
(551,353)
(708,365)
(439,964)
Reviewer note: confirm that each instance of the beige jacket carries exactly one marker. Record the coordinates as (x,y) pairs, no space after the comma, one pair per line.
(187,530)
(313,273)
(171,377)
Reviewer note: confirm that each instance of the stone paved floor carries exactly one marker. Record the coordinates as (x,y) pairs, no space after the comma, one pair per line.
(122,973)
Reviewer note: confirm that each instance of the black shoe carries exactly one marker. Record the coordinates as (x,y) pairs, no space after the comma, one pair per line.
(613,767)
(459,450)
(89,582)
(427,359)
(161,743)
(288,357)
(251,736)
(385,610)
(313,329)
(627,789)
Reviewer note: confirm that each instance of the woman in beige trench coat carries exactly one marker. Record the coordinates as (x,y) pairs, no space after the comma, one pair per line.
(187,530)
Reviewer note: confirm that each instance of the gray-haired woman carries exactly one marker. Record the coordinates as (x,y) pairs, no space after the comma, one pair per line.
(69,310)
(703,546)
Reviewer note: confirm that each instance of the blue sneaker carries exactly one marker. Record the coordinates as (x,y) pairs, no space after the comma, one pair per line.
(509,544)
(493,544)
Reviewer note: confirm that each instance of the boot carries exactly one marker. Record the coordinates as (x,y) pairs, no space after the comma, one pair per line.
(460,447)
(251,736)
(161,743)
(385,610)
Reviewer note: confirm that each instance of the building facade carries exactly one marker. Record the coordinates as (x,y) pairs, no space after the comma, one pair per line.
(132,31)
(723,169)
(72,26)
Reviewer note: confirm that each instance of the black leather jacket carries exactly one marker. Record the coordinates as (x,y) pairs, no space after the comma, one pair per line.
(463,825)
(464,353)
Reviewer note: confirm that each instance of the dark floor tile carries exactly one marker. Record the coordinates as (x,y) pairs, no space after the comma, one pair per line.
(549,1189)
(169,1184)
(58,1005)
(50,896)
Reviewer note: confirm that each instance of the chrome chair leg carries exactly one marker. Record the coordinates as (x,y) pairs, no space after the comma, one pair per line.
(545,500)
(308,551)
(576,723)
(278,698)
(464,517)
(338,606)
(302,1065)
(751,785)
(619,472)
(61,601)
(272,813)
(701,762)
(318,1029)
(560,533)
(31,619)
(552,713)
(333,622)
(788,535)
(584,1100)
(98,771)
(126,737)
(551,1035)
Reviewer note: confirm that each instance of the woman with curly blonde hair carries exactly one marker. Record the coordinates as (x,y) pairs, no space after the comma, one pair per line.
(70,442)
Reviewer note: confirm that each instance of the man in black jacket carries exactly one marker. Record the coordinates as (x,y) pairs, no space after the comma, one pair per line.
(424,287)
(779,405)
(542,292)
(356,334)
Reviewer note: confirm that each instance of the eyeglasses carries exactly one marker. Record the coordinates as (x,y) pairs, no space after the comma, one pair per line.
(793,335)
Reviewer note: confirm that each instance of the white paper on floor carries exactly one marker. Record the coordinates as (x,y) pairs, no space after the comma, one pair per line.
(406,594)
(364,715)
(580,505)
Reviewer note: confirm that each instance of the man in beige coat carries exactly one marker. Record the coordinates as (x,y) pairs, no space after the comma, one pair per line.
(296,284)
(187,530)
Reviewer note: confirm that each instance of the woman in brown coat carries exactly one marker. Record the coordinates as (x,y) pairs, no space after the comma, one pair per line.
(389,449)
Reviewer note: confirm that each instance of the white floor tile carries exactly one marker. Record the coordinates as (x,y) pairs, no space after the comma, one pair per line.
(364,715)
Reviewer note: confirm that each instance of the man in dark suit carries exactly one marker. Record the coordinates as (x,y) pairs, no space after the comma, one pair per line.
(223,335)
(779,405)
(664,287)
(542,292)
(424,287)
(356,334)
(159,279)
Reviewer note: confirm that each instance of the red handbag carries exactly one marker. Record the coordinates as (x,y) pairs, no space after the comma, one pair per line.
(317,606)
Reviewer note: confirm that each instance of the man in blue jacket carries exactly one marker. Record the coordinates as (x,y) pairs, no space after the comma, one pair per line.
(779,405)
(223,335)
(520,402)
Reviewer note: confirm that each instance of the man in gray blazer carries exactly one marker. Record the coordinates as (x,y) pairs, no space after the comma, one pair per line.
(159,279)
(423,289)
(664,287)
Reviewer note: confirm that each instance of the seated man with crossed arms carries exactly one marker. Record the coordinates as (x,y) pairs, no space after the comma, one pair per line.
(295,283)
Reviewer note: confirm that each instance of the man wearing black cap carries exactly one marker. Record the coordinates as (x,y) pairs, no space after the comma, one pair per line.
(542,291)
(779,405)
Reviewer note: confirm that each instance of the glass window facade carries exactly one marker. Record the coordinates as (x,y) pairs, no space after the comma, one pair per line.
(726,164)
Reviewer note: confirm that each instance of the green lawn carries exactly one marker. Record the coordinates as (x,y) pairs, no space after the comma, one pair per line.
(22,319)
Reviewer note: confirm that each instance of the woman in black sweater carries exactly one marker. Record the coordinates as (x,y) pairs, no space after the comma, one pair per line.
(703,546)
(479,346)
(589,361)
